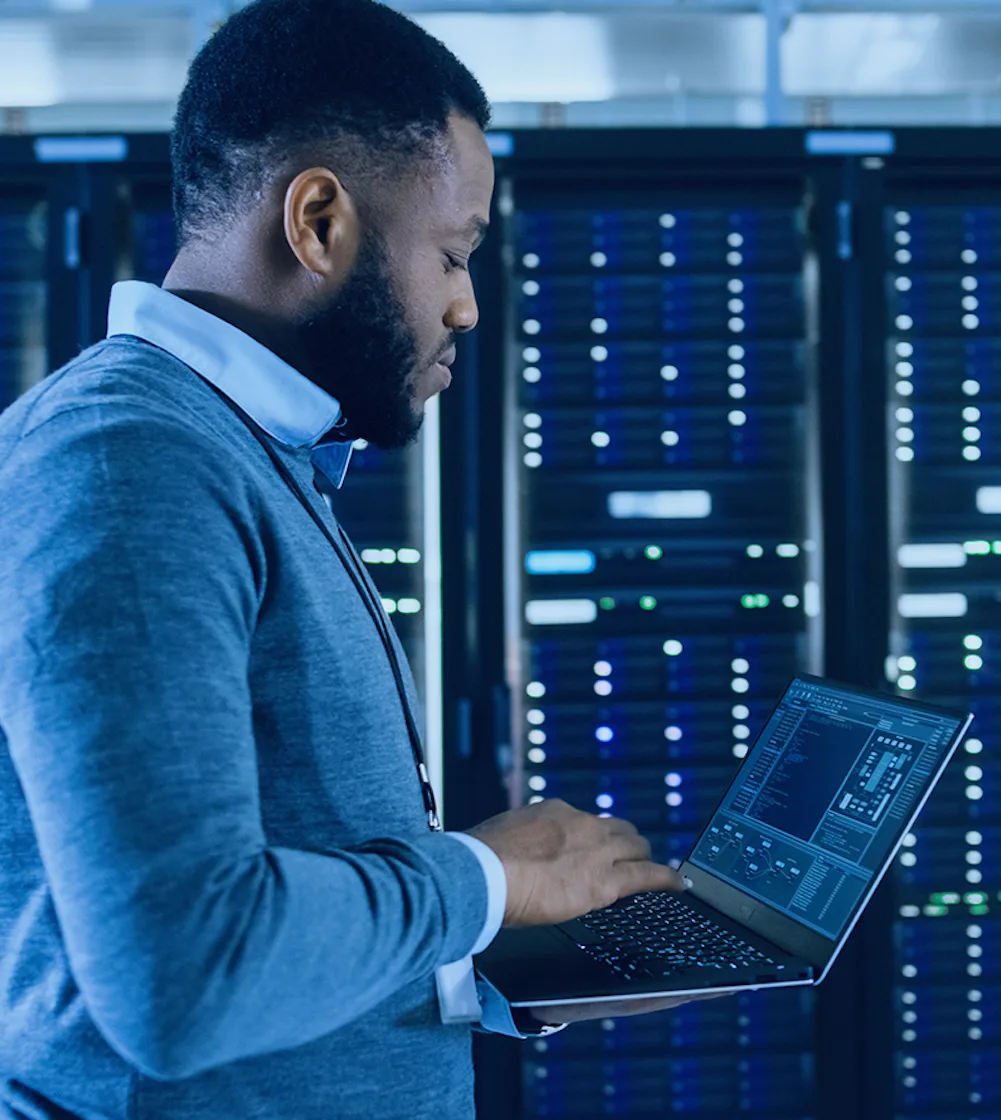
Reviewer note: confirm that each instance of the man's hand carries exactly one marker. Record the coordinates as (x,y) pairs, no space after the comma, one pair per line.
(614,1009)
(561,863)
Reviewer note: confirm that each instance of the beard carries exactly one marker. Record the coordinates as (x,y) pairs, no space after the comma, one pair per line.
(362,351)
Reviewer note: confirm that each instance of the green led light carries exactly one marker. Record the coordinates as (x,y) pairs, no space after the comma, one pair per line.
(648,602)
(747,601)
(935,911)
(607,603)
(945,898)
(977,911)
(975,898)
(997,547)
(654,552)
(977,548)
(763,600)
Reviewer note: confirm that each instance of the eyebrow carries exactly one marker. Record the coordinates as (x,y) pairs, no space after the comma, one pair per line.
(477,231)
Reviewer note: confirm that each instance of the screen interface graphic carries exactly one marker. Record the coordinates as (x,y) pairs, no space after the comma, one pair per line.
(821,801)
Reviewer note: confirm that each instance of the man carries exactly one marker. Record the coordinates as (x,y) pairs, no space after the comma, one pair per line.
(219,893)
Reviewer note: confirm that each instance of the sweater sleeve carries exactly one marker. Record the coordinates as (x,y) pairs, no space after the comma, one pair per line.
(131,577)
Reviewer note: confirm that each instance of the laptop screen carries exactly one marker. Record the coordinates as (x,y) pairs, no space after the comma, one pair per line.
(822,799)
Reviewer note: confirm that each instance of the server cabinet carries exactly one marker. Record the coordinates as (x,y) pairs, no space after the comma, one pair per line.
(663,542)
(78,214)
(939,257)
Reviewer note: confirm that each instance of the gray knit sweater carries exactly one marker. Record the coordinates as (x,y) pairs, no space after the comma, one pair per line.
(219,898)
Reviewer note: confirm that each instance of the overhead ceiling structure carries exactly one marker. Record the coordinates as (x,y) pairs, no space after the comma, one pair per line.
(72,64)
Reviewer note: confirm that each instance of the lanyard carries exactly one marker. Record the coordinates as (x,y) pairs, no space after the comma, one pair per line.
(352,562)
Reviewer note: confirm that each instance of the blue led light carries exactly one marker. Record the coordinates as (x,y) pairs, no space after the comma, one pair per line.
(552,563)
(604,734)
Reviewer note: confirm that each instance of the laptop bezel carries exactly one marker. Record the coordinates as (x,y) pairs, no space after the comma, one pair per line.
(788,933)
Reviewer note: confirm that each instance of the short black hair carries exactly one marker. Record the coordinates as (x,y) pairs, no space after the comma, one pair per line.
(351,79)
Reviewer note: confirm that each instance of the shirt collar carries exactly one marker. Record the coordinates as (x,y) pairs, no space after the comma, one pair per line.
(287,405)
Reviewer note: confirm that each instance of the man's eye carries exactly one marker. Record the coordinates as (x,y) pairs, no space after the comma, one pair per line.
(453,263)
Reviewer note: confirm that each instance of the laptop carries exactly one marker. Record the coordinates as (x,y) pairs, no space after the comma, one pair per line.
(779,876)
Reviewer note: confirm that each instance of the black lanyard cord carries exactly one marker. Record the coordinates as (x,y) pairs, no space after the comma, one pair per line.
(353,565)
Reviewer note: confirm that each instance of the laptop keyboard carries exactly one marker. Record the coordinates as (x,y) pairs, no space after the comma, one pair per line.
(655,935)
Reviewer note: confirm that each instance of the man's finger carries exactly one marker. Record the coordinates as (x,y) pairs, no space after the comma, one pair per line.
(636,876)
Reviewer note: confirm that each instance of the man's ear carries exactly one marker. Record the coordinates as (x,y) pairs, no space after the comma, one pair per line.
(321,225)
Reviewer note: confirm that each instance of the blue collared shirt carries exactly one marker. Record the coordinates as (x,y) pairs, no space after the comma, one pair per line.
(298,413)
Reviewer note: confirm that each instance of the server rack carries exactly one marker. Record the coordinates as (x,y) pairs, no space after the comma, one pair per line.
(78,214)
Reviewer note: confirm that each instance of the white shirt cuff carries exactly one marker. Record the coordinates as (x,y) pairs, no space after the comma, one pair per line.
(493,872)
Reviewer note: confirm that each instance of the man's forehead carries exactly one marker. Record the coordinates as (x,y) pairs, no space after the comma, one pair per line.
(463,184)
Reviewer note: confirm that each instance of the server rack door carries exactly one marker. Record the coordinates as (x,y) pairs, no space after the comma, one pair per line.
(662,568)
(941,262)
(388,503)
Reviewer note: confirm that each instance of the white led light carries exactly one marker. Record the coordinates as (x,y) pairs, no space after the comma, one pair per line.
(532,420)
(536,755)
(906,664)
(908,859)
(669,373)
(737,418)
(533,440)
(533,459)
(948,604)
(734,259)
(904,388)
(970,283)
(531,326)
(409,606)
(740,750)
(737,391)
(531,287)
(970,303)
(787,550)
(971,453)
(971,415)
(973,746)
(974,969)
(674,799)
(669,439)
(902,237)
(736,353)
(531,260)
(790,601)
(975,858)
(907,684)
(902,256)
(903,283)
(532,374)
(974,793)
(971,322)
(904,369)
(668,221)
(735,240)
(902,218)
(602,668)
(740,665)
(672,647)
(604,734)
(970,387)
(931,556)
(973,662)
(974,931)
(360,444)
(537,736)
(909,971)
(909,910)
(535,689)
(408,556)
(389,605)
(971,434)
(599,260)
(974,838)
(668,260)
(537,782)
(905,350)
(736,325)
(905,415)
(736,371)
(673,734)
(910,840)
(735,306)
(603,688)
(601,439)
(904,322)
(599,353)
(969,256)
(739,684)
(973,773)
(735,286)
(741,731)
(740,711)
(673,780)
(599,326)
(535,716)
(755,551)
(531,354)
